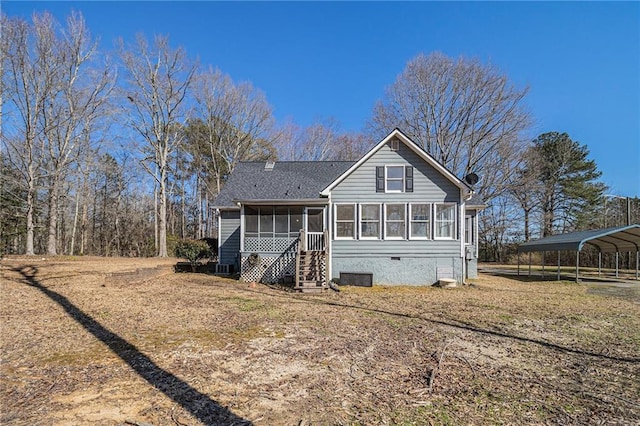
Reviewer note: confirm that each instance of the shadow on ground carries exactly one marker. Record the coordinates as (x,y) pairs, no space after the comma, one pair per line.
(198,404)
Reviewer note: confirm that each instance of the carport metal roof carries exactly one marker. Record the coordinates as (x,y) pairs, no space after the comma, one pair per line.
(610,240)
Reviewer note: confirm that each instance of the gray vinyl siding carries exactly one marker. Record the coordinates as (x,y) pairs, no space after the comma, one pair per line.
(229,236)
(430,186)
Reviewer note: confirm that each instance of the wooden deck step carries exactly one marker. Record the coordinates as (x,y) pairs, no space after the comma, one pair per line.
(310,270)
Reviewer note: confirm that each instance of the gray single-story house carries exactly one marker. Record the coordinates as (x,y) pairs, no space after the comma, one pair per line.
(394,217)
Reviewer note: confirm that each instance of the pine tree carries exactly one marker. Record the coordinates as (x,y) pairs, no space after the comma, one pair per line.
(570,192)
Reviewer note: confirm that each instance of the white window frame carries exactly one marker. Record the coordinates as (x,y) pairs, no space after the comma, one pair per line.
(469,230)
(455,221)
(386,178)
(379,236)
(429,221)
(386,220)
(335,222)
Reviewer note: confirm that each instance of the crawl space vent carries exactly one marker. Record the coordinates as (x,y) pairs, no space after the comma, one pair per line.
(361,279)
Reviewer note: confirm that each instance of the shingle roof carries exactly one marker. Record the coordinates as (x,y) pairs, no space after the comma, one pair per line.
(476,200)
(288,180)
(610,240)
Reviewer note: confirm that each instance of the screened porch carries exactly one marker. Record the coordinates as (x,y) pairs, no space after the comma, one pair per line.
(277,229)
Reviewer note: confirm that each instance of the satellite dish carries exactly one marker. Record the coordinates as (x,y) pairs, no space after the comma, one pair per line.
(471,178)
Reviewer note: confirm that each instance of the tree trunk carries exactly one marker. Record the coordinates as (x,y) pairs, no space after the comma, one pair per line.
(156,244)
(30,227)
(74,228)
(53,219)
(200,229)
(183,233)
(162,216)
(162,225)
(83,227)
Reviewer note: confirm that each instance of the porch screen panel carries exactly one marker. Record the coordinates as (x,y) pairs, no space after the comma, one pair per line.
(295,221)
(282,222)
(266,222)
(251,222)
(314,218)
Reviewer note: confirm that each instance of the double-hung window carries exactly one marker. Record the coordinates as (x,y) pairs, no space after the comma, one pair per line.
(420,221)
(445,221)
(345,221)
(394,179)
(370,221)
(394,221)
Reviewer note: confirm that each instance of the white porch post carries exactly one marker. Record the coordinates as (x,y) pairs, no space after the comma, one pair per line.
(329,241)
(241,229)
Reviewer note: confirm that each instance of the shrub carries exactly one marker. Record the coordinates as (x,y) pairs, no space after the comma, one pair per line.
(192,250)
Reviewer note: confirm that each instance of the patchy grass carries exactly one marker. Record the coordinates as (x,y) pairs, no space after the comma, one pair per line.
(81,344)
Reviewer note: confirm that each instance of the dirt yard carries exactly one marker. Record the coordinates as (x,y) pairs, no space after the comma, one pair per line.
(127,341)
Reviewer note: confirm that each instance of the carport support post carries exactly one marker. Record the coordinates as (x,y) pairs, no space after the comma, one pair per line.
(599,263)
(518,256)
(616,264)
(558,265)
(529,264)
(543,253)
(578,266)
(636,264)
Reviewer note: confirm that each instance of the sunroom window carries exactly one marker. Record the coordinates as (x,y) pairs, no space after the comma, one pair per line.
(420,223)
(395,219)
(345,221)
(369,220)
(445,221)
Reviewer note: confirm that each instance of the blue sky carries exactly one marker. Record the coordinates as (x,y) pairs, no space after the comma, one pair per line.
(581,60)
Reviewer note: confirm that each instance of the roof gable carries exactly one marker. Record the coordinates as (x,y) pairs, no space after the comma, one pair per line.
(411,145)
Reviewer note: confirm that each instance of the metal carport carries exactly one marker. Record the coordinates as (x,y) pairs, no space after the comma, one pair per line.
(610,240)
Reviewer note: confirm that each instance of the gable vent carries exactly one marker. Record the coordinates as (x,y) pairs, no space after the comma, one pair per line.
(269,166)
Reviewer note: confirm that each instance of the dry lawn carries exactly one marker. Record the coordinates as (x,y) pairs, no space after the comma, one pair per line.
(81,345)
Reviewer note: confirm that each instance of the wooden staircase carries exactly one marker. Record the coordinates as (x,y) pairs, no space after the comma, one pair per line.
(310,267)
(310,271)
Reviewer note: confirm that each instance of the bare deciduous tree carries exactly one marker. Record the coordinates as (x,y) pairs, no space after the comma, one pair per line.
(159,79)
(80,93)
(53,95)
(465,114)
(27,83)
(237,120)
(320,141)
